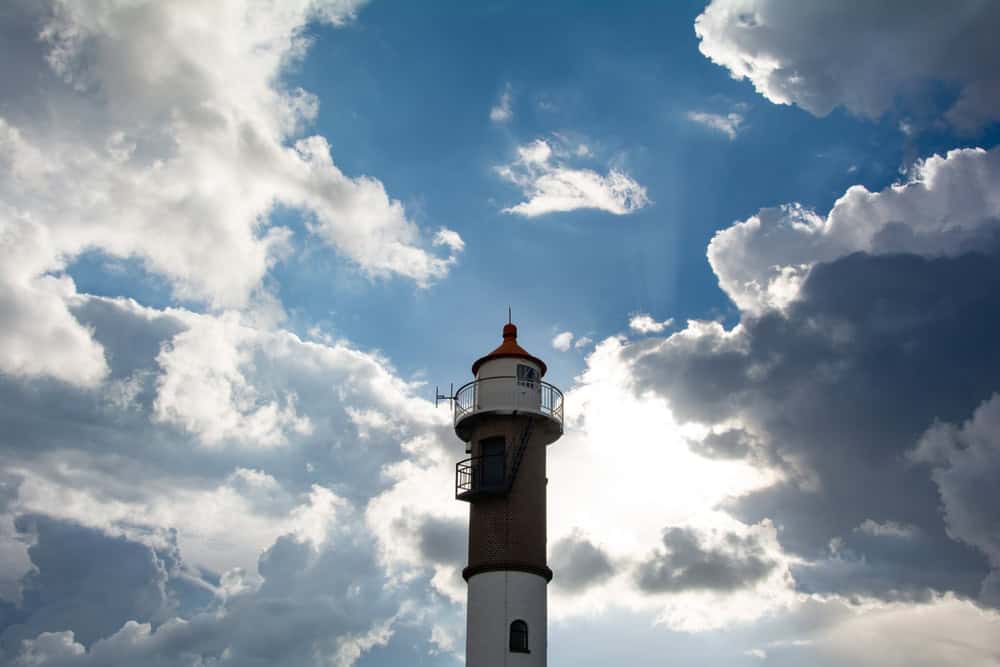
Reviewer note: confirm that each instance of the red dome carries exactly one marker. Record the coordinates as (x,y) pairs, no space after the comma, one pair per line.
(509,348)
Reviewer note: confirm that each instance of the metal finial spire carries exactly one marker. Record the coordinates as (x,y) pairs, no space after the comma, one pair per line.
(508,315)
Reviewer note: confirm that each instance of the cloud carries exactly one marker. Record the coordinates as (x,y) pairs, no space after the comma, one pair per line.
(644,323)
(562,341)
(951,641)
(599,494)
(96,477)
(833,390)
(204,389)
(965,462)
(733,443)
(687,563)
(450,239)
(431,535)
(947,206)
(310,599)
(502,112)
(444,540)
(820,56)
(830,379)
(945,630)
(38,335)
(826,632)
(582,342)
(887,529)
(551,186)
(88,581)
(163,133)
(579,562)
(728,124)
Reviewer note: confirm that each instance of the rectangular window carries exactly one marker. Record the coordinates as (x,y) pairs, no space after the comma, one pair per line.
(527,376)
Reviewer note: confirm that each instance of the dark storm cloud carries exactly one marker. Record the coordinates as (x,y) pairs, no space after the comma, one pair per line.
(731,444)
(893,566)
(114,600)
(579,563)
(27,77)
(9,486)
(87,585)
(839,388)
(965,464)
(85,580)
(686,563)
(443,541)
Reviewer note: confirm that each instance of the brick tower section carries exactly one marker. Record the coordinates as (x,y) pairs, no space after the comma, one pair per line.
(508,532)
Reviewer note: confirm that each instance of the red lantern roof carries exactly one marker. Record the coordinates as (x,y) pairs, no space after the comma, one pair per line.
(509,348)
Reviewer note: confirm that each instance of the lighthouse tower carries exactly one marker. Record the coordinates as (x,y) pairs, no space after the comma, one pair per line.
(506,416)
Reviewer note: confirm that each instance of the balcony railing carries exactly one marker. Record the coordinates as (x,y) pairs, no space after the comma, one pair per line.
(481,476)
(509,393)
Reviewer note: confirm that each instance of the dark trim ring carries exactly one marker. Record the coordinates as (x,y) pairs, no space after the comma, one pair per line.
(517,566)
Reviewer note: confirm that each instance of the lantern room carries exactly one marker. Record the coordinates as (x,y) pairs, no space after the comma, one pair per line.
(508,381)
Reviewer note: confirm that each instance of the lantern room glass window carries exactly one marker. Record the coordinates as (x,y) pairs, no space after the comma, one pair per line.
(519,637)
(527,376)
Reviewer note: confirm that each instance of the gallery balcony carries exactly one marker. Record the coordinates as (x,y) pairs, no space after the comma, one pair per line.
(508,395)
(481,476)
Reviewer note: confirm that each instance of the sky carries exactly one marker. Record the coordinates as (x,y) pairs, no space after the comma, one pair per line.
(242,242)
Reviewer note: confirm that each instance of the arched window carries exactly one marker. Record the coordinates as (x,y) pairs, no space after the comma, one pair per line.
(519,637)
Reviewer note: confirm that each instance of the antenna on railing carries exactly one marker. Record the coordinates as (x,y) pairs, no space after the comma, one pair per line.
(438,396)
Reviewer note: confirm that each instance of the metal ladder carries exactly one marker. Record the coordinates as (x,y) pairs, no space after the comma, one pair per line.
(519,453)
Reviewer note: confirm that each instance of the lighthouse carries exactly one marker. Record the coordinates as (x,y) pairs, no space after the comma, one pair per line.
(506,416)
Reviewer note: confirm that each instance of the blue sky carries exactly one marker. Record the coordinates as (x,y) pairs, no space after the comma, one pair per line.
(415,82)
(416,96)
(755,243)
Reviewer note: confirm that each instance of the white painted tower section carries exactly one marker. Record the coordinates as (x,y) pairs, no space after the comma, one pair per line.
(497,599)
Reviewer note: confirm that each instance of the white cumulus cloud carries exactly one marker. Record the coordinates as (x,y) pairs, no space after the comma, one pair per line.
(204,387)
(948,205)
(645,323)
(819,55)
(562,341)
(162,132)
(550,185)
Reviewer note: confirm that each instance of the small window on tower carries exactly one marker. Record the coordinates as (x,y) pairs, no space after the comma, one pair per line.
(519,637)
(527,375)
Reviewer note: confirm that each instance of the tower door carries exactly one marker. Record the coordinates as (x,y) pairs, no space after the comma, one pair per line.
(494,461)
